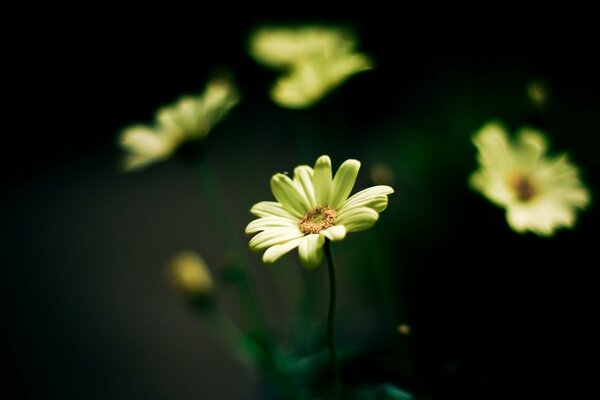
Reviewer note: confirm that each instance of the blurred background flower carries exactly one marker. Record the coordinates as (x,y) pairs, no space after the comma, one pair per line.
(314,59)
(85,309)
(540,193)
(190,118)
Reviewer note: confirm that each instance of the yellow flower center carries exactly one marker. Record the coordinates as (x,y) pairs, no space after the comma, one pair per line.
(318,219)
(523,187)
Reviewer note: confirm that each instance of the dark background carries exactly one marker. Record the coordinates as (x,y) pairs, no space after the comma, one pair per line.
(86,310)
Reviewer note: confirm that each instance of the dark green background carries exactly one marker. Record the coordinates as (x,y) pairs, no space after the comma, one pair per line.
(86,310)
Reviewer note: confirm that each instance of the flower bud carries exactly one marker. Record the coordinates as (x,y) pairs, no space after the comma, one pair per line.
(191,276)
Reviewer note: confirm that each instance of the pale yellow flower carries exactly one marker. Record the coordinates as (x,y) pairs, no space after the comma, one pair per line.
(540,193)
(312,207)
(190,275)
(315,60)
(190,118)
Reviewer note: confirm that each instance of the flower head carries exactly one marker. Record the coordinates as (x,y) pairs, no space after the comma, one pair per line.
(311,208)
(190,274)
(315,59)
(190,118)
(540,193)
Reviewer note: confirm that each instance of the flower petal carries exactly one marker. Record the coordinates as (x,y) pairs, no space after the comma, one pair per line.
(343,182)
(274,236)
(303,176)
(358,219)
(322,180)
(531,147)
(494,148)
(310,250)
(271,209)
(334,233)
(275,252)
(144,141)
(289,195)
(372,197)
(262,224)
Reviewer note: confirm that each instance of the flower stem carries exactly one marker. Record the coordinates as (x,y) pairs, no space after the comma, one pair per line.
(227,230)
(335,367)
(226,332)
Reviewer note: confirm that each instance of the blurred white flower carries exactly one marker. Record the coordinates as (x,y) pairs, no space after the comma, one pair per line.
(315,60)
(540,193)
(190,118)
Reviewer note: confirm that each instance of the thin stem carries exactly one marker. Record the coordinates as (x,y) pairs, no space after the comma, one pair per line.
(226,227)
(335,367)
(229,336)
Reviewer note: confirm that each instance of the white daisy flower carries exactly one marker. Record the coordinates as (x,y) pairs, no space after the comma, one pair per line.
(311,208)
(315,60)
(190,118)
(540,193)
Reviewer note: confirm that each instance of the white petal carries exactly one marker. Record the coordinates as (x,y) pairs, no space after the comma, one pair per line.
(134,161)
(532,146)
(303,176)
(271,209)
(145,141)
(288,194)
(310,250)
(322,180)
(343,182)
(494,148)
(334,233)
(371,197)
(274,236)
(275,252)
(265,223)
(358,219)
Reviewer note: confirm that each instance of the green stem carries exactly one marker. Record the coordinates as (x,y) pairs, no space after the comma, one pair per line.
(260,347)
(335,367)
(229,336)
(226,228)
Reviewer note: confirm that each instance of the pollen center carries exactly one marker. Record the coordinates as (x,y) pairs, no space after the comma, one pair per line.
(316,220)
(523,187)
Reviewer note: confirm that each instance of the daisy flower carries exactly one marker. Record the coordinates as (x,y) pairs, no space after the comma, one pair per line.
(190,118)
(312,207)
(314,59)
(540,193)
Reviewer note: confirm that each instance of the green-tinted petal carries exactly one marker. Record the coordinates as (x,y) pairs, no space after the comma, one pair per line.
(377,203)
(265,223)
(343,182)
(271,209)
(334,233)
(372,197)
(288,194)
(322,180)
(310,250)
(274,236)
(532,146)
(274,253)
(143,141)
(494,149)
(132,162)
(358,219)
(303,176)
(166,119)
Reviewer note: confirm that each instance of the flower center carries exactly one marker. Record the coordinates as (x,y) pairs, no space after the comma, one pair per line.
(316,220)
(523,187)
